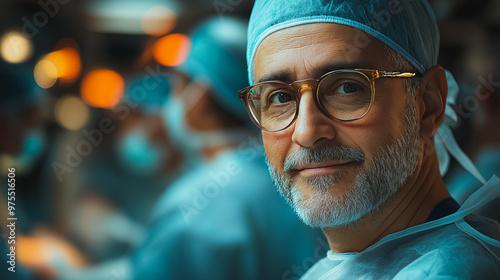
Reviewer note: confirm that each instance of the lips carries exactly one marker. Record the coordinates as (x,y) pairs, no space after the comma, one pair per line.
(320,168)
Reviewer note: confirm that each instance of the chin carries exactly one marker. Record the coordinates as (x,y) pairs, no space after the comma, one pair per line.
(335,206)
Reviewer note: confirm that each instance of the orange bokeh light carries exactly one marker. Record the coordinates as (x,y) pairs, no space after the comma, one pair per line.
(67,63)
(102,88)
(39,253)
(172,50)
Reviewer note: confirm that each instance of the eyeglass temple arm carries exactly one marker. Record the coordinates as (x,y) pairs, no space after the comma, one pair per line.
(395,74)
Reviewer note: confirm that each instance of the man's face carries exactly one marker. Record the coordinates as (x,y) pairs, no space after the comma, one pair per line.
(334,173)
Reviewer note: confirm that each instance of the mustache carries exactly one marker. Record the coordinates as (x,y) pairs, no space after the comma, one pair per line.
(320,154)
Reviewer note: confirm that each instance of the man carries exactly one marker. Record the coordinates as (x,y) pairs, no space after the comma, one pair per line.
(222,219)
(349,98)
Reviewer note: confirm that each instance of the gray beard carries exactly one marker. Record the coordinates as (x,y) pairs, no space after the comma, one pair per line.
(372,187)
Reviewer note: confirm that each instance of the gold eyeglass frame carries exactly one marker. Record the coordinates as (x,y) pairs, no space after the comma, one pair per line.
(370,75)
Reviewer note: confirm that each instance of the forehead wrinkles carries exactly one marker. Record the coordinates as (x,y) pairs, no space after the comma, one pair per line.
(306,47)
(293,38)
(281,49)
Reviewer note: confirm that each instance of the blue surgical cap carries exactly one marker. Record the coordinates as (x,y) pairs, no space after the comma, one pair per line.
(407,26)
(148,92)
(218,55)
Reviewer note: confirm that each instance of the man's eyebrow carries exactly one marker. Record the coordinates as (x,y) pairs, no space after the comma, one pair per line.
(332,67)
(280,76)
(286,77)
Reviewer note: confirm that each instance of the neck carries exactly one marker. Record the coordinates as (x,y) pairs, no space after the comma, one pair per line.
(409,207)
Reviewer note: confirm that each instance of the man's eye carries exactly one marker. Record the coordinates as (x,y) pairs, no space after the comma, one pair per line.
(280,98)
(347,88)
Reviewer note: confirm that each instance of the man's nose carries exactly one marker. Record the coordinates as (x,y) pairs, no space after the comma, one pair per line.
(311,126)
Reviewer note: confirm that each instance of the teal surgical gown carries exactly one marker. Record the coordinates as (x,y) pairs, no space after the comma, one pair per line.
(458,246)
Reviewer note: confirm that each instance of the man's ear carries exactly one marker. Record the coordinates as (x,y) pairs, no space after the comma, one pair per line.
(433,90)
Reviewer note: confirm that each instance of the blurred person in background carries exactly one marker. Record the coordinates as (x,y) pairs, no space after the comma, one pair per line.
(23,138)
(144,147)
(120,181)
(23,149)
(113,190)
(221,219)
(22,143)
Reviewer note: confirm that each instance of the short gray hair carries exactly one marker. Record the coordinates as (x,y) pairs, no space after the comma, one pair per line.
(411,85)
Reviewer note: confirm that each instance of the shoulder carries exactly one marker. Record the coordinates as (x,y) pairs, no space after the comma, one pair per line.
(446,252)
(235,191)
(231,180)
(461,262)
(455,253)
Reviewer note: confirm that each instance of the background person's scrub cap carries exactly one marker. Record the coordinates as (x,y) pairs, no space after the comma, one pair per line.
(149,93)
(407,26)
(218,56)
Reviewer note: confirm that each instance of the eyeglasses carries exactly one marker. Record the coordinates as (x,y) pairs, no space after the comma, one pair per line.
(343,95)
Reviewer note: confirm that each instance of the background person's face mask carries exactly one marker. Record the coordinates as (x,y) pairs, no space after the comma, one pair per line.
(175,112)
(139,155)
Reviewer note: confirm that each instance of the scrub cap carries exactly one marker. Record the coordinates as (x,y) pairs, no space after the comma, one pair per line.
(148,92)
(407,26)
(218,56)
